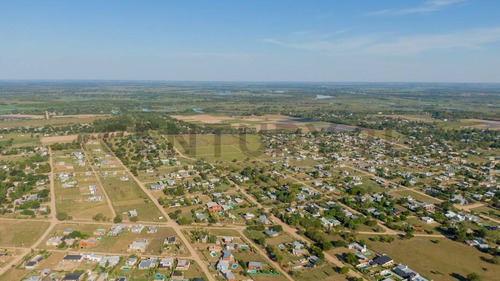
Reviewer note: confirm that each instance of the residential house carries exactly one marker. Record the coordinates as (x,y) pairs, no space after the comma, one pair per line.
(33,263)
(109,261)
(182,264)
(254,265)
(147,264)
(213,207)
(383,260)
(271,233)
(87,243)
(166,263)
(72,258)
(73,277)
(170,240)
(357,247)
(138,245)
(227,255)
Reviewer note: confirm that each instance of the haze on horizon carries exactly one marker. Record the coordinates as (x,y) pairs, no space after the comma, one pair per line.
(363,41)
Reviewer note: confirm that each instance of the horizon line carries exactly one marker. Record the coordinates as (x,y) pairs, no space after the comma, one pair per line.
(242,81)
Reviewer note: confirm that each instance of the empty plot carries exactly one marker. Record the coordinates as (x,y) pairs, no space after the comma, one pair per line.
(220,147)
(126,195)
(77,190)
(21,233)
(443,261)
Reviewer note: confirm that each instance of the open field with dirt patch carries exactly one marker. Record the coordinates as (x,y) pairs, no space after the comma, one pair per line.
(482,124)
(264,122)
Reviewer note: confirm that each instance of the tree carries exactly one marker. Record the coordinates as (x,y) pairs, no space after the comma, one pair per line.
(351,258)
(118,219)
(344,270)
(277,228)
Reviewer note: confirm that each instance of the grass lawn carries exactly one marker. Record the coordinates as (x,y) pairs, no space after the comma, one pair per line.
(21,233)
(443,261)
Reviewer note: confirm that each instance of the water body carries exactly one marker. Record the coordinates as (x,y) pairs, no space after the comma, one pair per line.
(198,110)
(322,97)
(338,128)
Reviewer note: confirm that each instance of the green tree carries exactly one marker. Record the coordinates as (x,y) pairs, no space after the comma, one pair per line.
(344,270)
(118,219)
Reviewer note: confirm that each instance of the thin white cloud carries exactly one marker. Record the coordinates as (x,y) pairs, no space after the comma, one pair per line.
(339,45)
(426,7)
(382,44)
(320,36)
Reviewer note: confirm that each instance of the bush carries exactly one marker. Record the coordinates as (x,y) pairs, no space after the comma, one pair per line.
(184,221)
(258,227)
(277,228)
(62,216)
(473,277)
(99,217)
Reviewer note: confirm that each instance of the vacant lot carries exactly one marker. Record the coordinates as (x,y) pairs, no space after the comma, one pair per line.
(127,195)
(219,147)
(20,233)
(418,196)
(446,260)
(19,139)
(75,200)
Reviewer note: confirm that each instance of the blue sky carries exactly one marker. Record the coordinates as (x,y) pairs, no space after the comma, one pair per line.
(362,40)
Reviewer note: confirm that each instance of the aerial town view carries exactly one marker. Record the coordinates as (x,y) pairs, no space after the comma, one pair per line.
(250,140)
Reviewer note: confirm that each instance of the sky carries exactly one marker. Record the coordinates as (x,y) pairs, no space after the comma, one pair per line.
(271,40)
